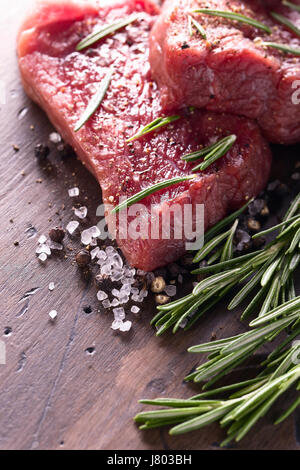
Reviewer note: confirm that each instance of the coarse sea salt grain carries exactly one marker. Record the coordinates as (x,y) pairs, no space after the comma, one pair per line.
(42,239)
(106,270)
(72,226)
(116,324)
(95,231)
(170,290)
(55,138)
(101,295)
(43,249)
(43,257)
(73,192)
(102,255)
(51,286)
(119,313)
(126,326)
(135,309)
(53,314)
(94,252)
(114,303)
(55,246)
(106,303)
(115,293)
(81,213)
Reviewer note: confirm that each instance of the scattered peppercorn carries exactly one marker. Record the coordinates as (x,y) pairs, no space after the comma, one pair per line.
(162,299)
(41,151)
(65,150)
(57,234)
(158,285)
(83,258)
(253,225)
(16,243)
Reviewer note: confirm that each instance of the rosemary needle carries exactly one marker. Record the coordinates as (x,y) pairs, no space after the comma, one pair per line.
(95,101)
(218,151)
(281,47)
(282,19)
(103,32)
(291,5)
(152,126)
(234,16)
(192,22)
(152,189)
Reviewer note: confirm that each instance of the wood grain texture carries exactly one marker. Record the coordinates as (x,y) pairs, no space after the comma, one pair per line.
(53,395)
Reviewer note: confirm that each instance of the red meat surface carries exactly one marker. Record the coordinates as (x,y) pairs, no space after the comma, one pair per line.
(62,81)
(230,71)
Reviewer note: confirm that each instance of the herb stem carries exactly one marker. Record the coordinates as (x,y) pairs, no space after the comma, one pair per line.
(95,101)
(152,126)
(152,189)
(103,32)
(235,16)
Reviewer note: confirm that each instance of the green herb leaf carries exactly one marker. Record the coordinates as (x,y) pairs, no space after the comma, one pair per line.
(282,19)
(95,101)
(192,22)
(152,189)
(156,124)
(291,5)
(218,150)
(235,16)
(104,31)
(281,47)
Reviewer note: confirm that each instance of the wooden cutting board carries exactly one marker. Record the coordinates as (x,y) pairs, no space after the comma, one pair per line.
(53,394)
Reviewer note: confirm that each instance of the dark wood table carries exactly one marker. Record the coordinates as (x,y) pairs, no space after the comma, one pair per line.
(53,394)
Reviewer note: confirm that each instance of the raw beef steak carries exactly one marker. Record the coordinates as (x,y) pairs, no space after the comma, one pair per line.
(62,81)
(230,71)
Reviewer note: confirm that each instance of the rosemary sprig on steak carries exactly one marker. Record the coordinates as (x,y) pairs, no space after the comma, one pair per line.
(153,126)
(268,271)
(281,47)
(192,22)
(291,5)
(95,101)
(152,189)
(234,16)
(104,31)
(211,153)
(282,19)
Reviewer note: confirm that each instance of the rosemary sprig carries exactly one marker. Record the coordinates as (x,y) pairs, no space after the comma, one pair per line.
(214,152)
(152,126)
(191,157)
(152,189)
(192,22)
(104,31)
(239,412)
(268,271)
(235,16)
(251,398)
(281,47)
(291,5)
(282,19)
(95,101)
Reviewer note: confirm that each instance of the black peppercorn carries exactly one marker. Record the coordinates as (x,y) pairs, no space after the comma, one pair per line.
(57,234)
(83,258)
(41,151)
